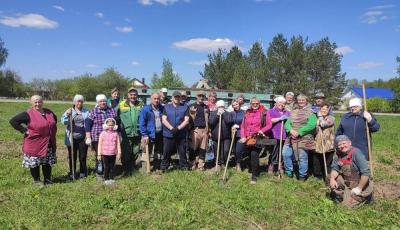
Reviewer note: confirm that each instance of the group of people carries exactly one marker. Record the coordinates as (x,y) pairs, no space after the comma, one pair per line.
(123,129)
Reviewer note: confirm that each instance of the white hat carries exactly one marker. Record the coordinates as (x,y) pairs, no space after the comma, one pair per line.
(280,99)
(164,90)
(220,103)
(100,97)
(78,97)
(355,102)
(289,94)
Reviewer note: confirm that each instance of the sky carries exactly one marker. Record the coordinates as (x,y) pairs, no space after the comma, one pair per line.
(61,39)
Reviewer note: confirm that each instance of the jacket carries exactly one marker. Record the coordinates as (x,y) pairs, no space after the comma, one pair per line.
(353,126)
(65,121)
(147,123)
(226,124)
(252,122)
(129,118)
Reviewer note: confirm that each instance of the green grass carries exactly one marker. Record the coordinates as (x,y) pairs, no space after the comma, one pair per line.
(183,200)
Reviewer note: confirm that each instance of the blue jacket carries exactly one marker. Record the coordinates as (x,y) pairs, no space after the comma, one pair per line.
(65,121)
(147,123)
(353,126)
(175,116)
(237,117)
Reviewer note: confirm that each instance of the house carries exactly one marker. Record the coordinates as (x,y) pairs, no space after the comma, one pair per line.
(370,92)
(139,84)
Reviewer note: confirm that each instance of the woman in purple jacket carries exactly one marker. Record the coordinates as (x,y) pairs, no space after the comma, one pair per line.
(278,115)
(39,126)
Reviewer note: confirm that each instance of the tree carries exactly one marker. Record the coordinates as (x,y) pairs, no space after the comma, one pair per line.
(258,67)
(168,78)
(240,78)
(3,53)
(11,84)
(216,70)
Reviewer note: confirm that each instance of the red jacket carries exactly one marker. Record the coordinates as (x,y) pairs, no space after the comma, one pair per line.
(251,123)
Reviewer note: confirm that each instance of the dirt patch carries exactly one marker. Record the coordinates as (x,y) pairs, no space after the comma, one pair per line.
(10,150)
(387,190)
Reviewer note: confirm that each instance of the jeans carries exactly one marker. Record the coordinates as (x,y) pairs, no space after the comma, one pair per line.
(288,158)
(239,150)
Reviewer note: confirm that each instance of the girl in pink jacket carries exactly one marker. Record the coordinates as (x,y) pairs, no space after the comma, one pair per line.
(109,149)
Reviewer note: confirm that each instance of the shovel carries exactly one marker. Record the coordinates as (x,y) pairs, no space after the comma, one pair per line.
(224,178)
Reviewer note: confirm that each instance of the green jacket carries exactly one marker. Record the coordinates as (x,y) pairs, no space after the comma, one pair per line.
(129,117)
(306,129)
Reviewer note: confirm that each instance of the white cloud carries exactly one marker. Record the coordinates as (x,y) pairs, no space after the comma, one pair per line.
(343,50)
(91,66)
(381,7)
(29,20)
(60,8)
(135,63)
(369,65)
(115,44)
(204,44)
(377,14)
(201,62)
(162,2)
(124,29)
(99,15)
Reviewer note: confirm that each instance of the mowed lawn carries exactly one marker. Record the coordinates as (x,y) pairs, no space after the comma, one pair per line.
(184,200)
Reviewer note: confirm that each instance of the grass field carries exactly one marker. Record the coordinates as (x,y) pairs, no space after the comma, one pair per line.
(184,200)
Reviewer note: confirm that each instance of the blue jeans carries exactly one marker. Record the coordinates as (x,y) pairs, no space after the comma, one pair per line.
(288,158)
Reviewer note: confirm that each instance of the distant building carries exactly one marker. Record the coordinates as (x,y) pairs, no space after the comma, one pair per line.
(139,84)
(370,92)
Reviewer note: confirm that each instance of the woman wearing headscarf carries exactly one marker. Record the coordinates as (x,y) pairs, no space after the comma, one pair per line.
(237,117)
(39,126)
(94,125)
(78,113)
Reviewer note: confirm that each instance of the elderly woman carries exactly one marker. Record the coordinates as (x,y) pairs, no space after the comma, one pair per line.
(212,99)
(300,126)
(39,126)
(278,115)
(237,117)
(353,126)
(324,141)
(94,125)
(256,122)
(78,114)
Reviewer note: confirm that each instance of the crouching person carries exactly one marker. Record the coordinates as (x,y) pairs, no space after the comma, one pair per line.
(350,180)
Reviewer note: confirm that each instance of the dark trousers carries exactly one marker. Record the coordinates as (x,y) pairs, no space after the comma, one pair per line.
(109,163)
(46,169)
(158,150)
(95,145)
(130,147)
(224,150)
(318,164)
(254,160)
(79,144)
(170,145)
(239,150)
(274,156)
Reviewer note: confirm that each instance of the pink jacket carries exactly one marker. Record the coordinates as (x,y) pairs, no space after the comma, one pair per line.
(109,145)
(251,123)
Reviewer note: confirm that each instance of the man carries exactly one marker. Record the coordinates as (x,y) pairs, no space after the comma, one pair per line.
(352,125)
(163,96)
(128,114)
(240,101)
(350,180)
(151,128)
(175,118)
(300,126)
(289,97)
(184,98)
(199,114)
(319,100)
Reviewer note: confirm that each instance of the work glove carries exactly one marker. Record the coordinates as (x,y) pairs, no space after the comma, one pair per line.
(220,111)
(243,140)
(88,141)
(235,127)
(367,116)
(283,118)
(68,112)
(174,130)
(356,191)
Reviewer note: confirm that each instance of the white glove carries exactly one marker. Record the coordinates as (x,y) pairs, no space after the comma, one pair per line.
(88,141)
(68,112)
(235,127)
(367,116)
(220,111)
(356,191)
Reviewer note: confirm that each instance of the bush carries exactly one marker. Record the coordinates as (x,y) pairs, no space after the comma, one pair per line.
(379,105)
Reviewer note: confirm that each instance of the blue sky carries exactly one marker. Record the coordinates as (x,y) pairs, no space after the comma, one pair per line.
(59,39)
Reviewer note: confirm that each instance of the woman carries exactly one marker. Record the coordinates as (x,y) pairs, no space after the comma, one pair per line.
(353,126)
(324,140)
(278,115)
(39,126)
(256,121)
(237,117)
(113,101)
(300,126)
(212,99)
(94,125)
(79,114)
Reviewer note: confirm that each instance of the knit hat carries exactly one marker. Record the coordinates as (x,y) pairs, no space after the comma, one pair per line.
(341,138)
(280,99)
(100,97)
(78,97)
(164,90)
(355,102)
(220,103)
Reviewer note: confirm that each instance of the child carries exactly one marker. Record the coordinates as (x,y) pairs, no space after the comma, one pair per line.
(109,149)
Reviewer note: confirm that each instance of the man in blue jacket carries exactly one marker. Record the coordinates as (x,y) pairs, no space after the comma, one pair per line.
(353,126)
(175,119)
(150,126)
